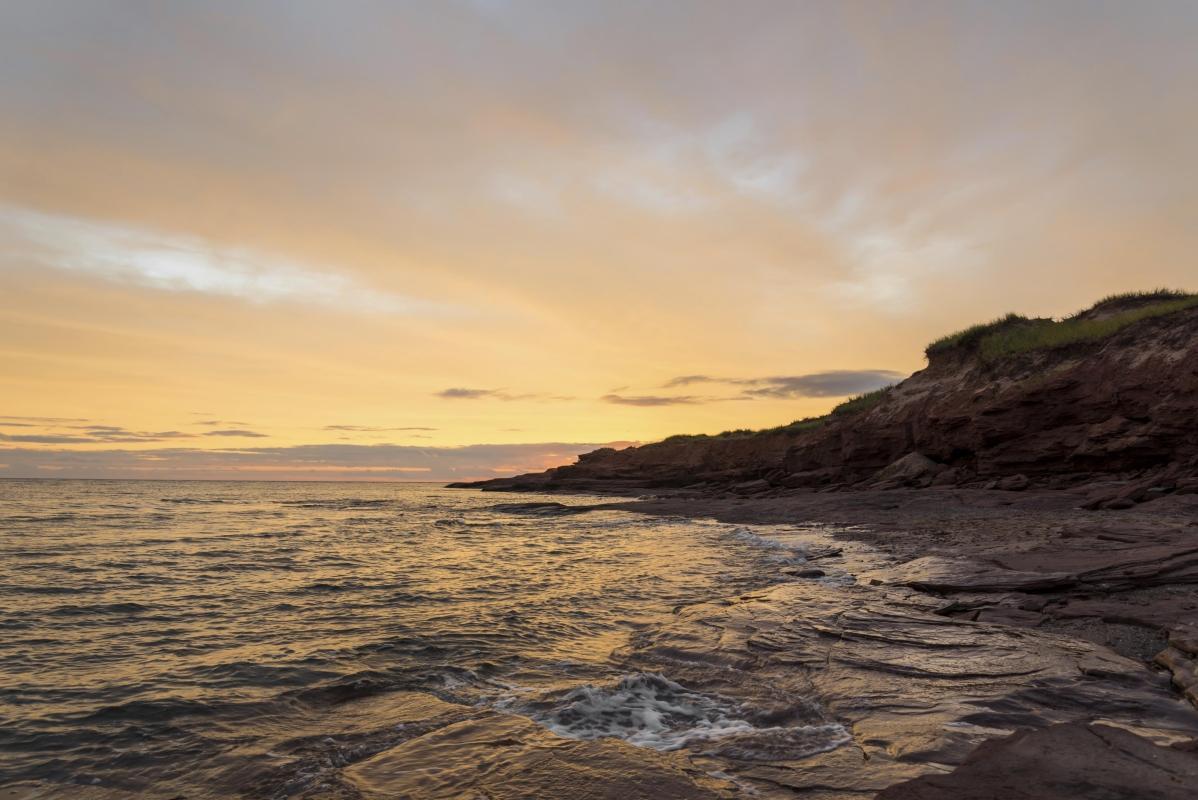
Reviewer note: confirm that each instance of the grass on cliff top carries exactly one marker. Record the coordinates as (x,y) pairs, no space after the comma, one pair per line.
(854,405)
(744,433)
(862,402)
(1015,334)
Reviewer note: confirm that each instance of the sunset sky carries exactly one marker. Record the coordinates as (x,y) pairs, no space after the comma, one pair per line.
(456,239)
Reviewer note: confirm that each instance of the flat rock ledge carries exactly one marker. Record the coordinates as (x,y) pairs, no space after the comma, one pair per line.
(1062,762)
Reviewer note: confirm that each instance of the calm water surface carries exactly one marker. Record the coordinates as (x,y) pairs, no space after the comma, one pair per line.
(163,634)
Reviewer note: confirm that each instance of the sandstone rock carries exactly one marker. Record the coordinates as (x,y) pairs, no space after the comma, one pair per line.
(1014,483)
(913,469)
(916,690)
(1059,763)
(1187,486)
(952,476)
(942,574)
(1185,637)
(1119,407)
(1184,669)
(504,757)
(807,572)
(752,487)
(1119,503)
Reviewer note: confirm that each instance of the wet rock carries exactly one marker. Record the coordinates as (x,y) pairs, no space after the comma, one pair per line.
(1113,565)
(1059,763)
(1184,668)
(917,690)
(501,757)
(40,790)
(945,574)
(806,572)
(1185,637)
(1181,659)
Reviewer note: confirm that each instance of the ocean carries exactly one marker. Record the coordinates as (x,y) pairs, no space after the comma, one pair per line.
(213,639)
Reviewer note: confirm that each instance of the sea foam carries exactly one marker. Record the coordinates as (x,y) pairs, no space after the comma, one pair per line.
(650,710)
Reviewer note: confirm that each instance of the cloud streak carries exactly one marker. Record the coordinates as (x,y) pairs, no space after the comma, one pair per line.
(835,383)
(237,432)
(654,400)
(373,428)
(464,393)
(310,461)
(177,263)
(96,434)
(832,383)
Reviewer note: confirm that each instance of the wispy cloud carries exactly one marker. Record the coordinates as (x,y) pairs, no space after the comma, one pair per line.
(45,438)
(833,383)
(312,461)
(837,383)
(689,380)
(175,263)
(237,432)
(95,434)
(652,400)
(374,428)
(463,393)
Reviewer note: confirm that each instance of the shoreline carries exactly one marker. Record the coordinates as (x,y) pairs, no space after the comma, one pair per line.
(1124,582)
(901,644)
(993,534)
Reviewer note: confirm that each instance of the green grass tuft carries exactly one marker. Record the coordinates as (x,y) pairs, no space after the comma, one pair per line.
(862,402)
(799,425)
(1014,334)
(1155,295)
(1050,334)
(972,335)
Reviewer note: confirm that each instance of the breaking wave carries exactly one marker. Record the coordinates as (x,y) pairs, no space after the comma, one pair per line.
(650,710)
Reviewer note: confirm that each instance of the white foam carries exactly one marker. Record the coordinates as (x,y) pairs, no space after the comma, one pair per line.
(783,551)
(649,710)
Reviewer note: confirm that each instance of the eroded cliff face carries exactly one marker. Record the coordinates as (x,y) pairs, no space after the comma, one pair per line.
(1123,407)
(1124,404)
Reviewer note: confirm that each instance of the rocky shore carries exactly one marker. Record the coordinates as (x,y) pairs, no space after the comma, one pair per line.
(1022,620)
(987,612)
(915,644)
(1106,399)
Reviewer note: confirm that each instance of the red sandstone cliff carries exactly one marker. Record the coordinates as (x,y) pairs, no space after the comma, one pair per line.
(1121,405)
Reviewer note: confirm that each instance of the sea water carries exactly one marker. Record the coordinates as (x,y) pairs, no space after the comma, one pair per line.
(161,635)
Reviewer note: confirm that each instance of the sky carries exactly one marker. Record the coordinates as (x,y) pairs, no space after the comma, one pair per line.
(445,240)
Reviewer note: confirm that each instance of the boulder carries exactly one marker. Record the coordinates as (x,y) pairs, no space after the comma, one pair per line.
(913,469)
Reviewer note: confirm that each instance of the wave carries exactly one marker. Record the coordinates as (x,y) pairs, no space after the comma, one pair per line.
(339,504)
(98,608)
(198,501)
(781,552)
(650,710)
(540,509)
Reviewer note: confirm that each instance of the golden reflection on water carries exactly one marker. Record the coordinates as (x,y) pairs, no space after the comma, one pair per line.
(180,630)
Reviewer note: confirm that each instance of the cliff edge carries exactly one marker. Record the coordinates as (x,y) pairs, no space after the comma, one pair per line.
(1107,396)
